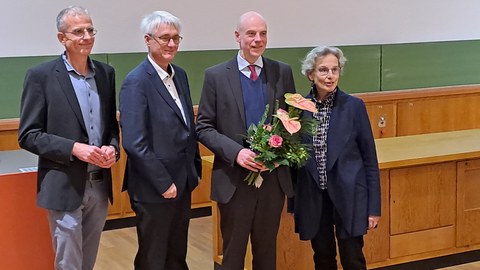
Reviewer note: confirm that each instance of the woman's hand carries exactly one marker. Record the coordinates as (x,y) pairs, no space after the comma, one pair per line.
(373,222)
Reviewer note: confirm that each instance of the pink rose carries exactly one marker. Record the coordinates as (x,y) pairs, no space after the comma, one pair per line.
(268,127)
(275,141)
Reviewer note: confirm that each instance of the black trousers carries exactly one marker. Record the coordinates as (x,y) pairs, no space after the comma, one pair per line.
(253,212)
(162,230)
(324,246)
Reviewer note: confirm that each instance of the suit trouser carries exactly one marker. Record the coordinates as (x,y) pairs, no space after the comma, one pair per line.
(324,246)
(253,212)
(76,234)
(162,230)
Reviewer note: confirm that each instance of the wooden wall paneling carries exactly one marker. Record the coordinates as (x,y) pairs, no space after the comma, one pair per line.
(9,134)
(292,253)
(9,140)
(217,234)
(116,209)
(383,119)
(422,241)
(438,114)
(468,202)
(377,241)
(201,194)
(422,197)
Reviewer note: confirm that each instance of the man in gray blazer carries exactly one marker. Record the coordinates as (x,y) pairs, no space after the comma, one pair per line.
(234,96)
(68,119)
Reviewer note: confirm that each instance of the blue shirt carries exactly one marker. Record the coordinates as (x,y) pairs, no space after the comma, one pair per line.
(87,95)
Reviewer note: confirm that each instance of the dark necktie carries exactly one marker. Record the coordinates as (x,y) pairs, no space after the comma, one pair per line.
(253,73)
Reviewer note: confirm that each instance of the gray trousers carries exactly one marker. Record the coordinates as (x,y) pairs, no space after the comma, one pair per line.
(76,234)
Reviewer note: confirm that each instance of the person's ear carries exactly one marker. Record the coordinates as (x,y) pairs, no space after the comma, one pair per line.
(61,38)
(310,77)
(147,39)
(237,36)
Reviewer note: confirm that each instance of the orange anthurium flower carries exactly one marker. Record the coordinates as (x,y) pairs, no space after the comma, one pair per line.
(292,125)
(297,101)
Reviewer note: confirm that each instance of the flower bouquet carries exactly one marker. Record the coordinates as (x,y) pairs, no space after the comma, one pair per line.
(279,143)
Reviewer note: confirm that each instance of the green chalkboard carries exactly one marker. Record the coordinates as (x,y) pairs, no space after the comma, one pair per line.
(361,73)
(431,64)
(12,73)
(369,68)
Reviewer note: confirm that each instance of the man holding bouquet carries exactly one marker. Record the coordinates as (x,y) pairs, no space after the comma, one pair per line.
(234,96)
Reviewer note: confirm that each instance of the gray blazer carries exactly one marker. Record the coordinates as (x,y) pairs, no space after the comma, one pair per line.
(221,122)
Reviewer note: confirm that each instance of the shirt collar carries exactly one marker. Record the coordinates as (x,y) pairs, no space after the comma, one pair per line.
(70,68)
(243,64)
(328,102)
(162,73)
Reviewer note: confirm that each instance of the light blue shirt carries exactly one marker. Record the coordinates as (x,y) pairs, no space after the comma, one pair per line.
(87,95)
(243,65)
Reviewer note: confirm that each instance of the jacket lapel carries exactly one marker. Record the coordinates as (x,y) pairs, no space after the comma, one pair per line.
(67,88)
(181,85)
(271,76)
(233,78)
(340,131)
(161,89)
(102,87)
(311,163)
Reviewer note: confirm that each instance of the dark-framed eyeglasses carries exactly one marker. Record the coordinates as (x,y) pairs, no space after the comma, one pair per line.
(80,32)
(165,39)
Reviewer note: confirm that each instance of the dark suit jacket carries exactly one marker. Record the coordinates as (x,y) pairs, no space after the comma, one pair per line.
(51,122)
(352,171)
(161,148)
(221,122)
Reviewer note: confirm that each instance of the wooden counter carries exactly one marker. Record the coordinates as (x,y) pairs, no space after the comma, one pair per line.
(428,148)
(430,203)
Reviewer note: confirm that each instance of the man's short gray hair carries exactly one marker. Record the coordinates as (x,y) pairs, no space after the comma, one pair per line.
(152,21)
(71,10)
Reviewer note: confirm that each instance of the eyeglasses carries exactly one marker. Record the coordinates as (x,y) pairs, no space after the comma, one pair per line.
(80,33)
(164,40)
(323,71)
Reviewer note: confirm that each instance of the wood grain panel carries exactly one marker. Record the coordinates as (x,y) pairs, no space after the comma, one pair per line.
(292,253)
(383,119)
(468,202)
(377,245)
(422,241)
(217,234)
(117,209)
(422,197)
(201,194)
(9,140)
(9,134)
(438,114)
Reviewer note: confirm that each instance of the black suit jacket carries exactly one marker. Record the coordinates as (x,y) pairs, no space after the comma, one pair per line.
(162,149)
(221,122)
(352,172)
(51,122)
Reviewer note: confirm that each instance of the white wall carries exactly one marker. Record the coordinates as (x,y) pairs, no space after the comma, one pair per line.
(28,27)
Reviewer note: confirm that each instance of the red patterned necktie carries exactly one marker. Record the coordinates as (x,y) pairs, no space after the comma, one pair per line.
(253,73)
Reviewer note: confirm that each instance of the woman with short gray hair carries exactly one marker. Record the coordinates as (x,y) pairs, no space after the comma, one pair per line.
(338,189)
